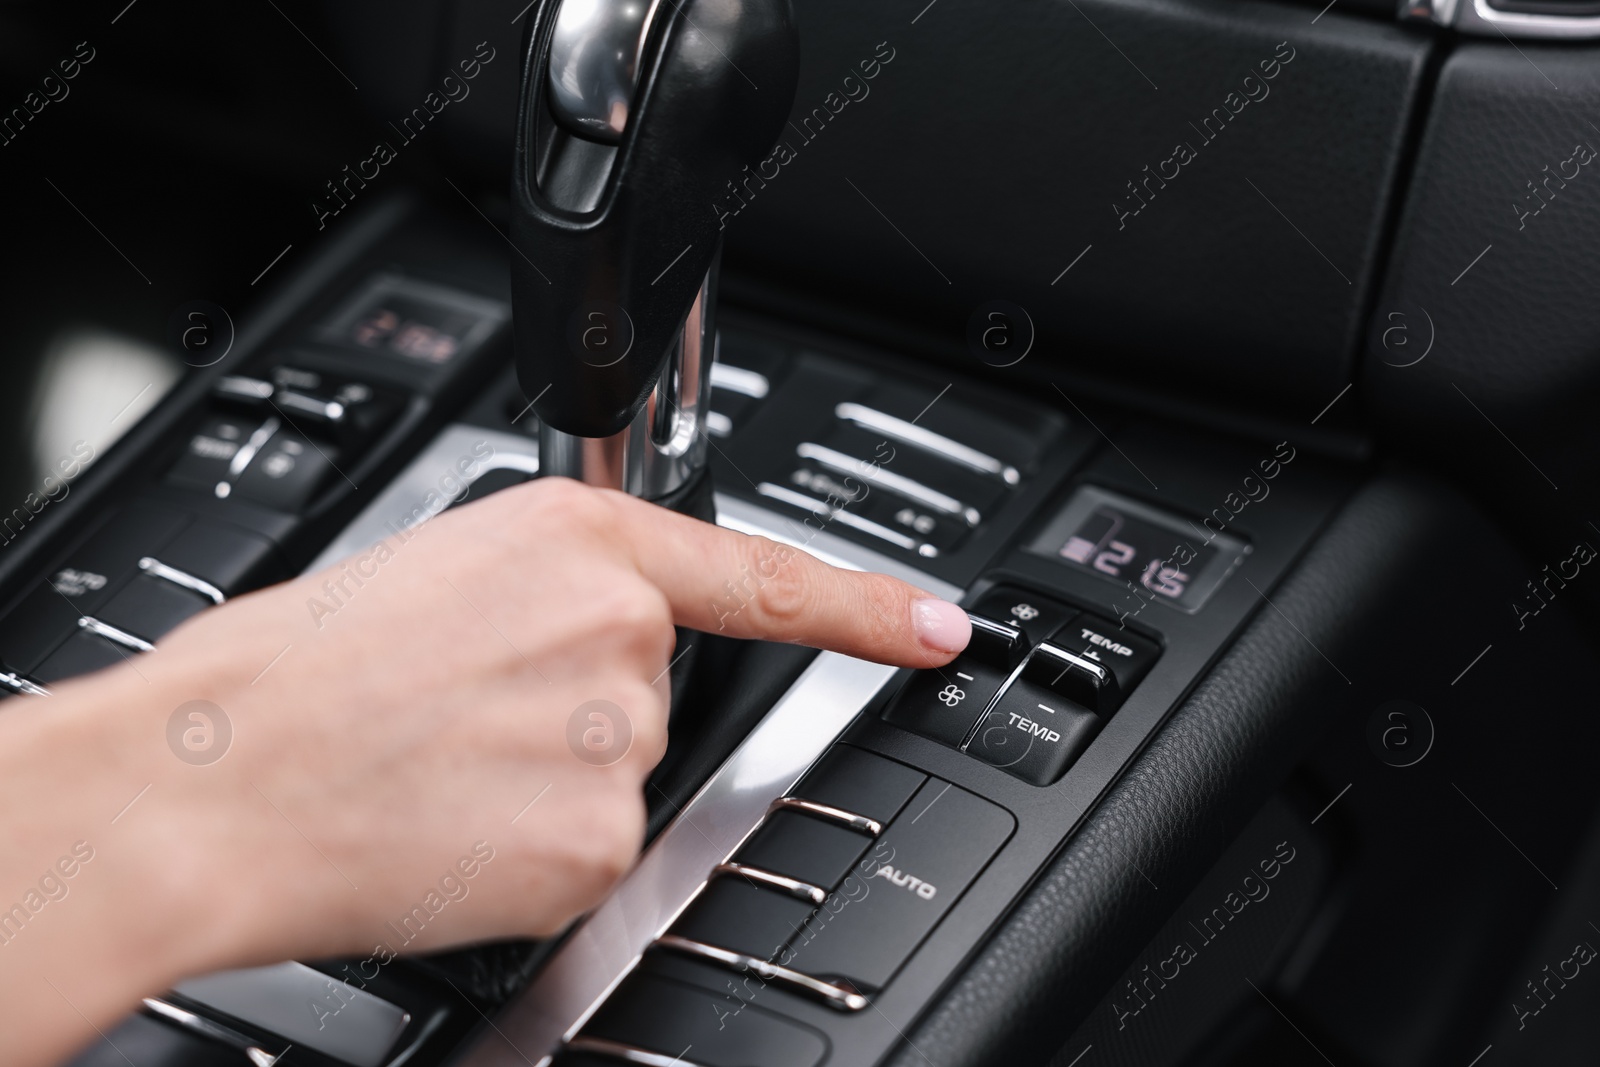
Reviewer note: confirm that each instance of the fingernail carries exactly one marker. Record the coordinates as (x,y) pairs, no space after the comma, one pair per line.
(940,625)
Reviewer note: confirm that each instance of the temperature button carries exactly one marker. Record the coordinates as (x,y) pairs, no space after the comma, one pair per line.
(1124,653)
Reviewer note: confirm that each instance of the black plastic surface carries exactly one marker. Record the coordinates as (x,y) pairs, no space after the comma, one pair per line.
(813,851)
(860,782)
(741,916)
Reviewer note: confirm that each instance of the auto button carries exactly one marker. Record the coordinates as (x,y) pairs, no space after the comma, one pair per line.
(901,889)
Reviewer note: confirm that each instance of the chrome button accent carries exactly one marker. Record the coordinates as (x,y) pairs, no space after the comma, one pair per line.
(740,380)
(1074,662)
(835,996)
(896,483)
(18,684)
(114,635)
(793,886)
(155,568)
(824,811)
(226,1035)
(909,433)
(845,518)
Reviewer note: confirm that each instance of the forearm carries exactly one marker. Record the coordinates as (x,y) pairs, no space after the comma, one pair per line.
(96,906)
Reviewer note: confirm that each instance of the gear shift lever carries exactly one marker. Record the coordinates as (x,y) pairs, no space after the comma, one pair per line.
(635,115)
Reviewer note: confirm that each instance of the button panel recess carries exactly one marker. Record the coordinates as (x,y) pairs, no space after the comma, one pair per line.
(1033,688)
(827,899)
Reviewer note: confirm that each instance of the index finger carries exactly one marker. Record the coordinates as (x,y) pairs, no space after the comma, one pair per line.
(723,581)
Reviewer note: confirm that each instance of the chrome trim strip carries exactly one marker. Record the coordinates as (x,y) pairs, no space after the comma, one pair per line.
(832,814)
(599,1046)
(844,517)
(156,569)
(909,433)
(114,635)
(739,380)
(18,684)
(835,996)
(793,886)
(226,1035)
(896,483)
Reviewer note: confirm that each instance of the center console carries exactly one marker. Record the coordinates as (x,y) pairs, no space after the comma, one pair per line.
(820,886)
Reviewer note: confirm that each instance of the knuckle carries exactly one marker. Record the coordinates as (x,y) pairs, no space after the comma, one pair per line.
(570,504)
(612,840)
(783,598)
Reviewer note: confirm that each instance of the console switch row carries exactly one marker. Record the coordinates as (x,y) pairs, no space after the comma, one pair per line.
(827,899)
(1031,690)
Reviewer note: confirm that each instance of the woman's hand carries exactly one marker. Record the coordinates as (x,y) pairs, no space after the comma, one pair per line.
(442,740)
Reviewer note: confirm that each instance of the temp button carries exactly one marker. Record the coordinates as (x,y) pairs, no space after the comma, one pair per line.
(901,888)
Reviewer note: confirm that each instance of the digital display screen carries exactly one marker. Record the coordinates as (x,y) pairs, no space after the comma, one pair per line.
(1122,546)
(414,320)
(1155,555)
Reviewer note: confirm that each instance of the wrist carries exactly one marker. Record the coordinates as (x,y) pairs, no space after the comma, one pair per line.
(90,787)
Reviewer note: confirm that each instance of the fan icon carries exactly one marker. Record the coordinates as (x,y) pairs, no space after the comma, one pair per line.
(951,696)
(1025,612)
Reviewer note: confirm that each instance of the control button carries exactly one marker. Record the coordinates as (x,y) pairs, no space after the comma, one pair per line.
(306,1007)
(1075,677)
(808,850)
(853,779)
(168,1042)
(731,913)
(231,559)
(151,607)
(1036,616)
(85,580)
(1034,734)
(183,579)
(759,877)
(1015,440)
(998,644)
(89,576)
(727,378)
(245,390)
(902,887)
(1129,656)
(212,1031)
(12,684)
(943,532)
(82,653)
(932,469)
(845,518)
(671,1018)
(209,456)
(881,476)
(943,703)
(35,627)
(287,473)
(836,996)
